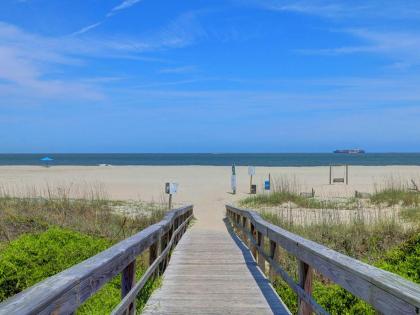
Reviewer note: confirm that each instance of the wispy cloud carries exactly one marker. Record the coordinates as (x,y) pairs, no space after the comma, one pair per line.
(28,60)
(86,28)
(401,46)
(177,70)
(388,9)
(122,6)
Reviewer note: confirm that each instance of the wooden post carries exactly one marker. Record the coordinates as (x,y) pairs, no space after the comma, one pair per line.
(261,260)
(273,256)
(244,236)
(305,282)
(253,248)
(250,184)
(170,201)
(330,174)
(154,252)
(269,180)
(128,280)
(347,174)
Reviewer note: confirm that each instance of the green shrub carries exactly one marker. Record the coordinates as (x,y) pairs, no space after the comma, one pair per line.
(404,260)
(338,301)
(108,297)
(34,257)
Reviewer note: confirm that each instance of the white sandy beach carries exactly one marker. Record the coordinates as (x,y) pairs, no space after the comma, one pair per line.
(207,187)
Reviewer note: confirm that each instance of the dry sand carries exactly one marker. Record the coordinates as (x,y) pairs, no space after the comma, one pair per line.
(207,187)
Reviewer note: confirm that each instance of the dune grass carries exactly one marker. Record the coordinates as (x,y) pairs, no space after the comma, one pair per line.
(91,214)
(286,190)
(386,241)
(392,197)
(41,236)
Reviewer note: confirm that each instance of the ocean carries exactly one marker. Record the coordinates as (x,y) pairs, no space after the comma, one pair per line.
(223,159)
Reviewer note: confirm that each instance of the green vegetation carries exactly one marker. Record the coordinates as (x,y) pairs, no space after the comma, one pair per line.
(34,257)
(357,238)
(286,190)
(281,197)
(394,196)
(384,244)
(331,297)
(40,237)
(404,259)
(410,214)
(385,241)
(94,216)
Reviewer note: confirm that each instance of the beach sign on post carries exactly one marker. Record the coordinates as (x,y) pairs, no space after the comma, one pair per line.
(171,189)
(267,183)
(251,172)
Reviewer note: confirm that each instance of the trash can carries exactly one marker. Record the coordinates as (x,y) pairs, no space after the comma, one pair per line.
(253,189)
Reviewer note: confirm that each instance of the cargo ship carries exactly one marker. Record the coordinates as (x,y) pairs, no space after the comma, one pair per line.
(350,151)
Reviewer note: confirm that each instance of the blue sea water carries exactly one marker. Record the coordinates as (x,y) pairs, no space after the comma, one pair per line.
(257,159)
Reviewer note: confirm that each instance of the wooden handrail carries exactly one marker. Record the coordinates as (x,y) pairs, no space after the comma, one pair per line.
(388,293)
(64,292)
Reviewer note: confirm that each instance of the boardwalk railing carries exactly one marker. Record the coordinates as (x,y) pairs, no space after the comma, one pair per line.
(66,291)
(385,291)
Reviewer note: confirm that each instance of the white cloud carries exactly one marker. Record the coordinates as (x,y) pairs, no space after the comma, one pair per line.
(86,29)
(177,70)
(28,60)
(122,6)
(359,9)
(401,46)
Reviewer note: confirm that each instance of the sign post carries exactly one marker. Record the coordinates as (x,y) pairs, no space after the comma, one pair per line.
(171,189)
(251,172)
(233,179)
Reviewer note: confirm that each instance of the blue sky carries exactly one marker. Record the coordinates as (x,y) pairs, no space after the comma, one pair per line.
(209,76)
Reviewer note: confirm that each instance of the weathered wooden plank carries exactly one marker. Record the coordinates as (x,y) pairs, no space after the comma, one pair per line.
(196,286)
(385,291)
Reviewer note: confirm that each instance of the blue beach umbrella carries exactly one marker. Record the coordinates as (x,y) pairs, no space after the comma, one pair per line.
(47,160)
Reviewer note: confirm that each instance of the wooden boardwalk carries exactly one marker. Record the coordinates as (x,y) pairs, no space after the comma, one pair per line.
(212,272)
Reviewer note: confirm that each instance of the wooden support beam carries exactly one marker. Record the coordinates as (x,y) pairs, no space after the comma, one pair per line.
(305,282)
(128,279)
(253,240)
(273,255)
(244,236)
(261,260)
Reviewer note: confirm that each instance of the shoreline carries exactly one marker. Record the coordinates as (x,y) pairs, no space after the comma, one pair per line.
(202,165)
